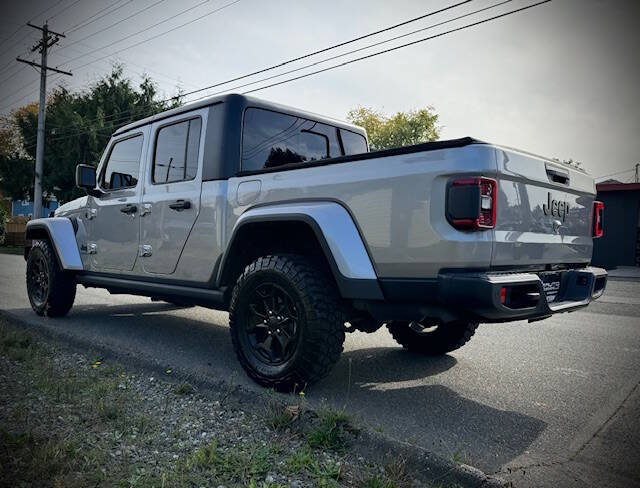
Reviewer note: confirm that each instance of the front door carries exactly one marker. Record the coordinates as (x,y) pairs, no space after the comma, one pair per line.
(171,200)
(114,229)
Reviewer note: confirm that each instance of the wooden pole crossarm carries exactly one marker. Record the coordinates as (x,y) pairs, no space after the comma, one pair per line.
(42,29)
(47,68)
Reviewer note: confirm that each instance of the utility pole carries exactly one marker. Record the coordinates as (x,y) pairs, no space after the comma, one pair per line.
(49,38)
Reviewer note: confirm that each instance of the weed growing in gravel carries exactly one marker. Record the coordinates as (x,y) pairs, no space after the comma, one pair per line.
(304,462)
(279,416)
(184,388)
(17,346)
(394,475)
(239,464)
(330,430)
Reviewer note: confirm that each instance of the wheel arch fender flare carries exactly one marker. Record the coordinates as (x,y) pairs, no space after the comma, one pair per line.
(339,238)
(61,233)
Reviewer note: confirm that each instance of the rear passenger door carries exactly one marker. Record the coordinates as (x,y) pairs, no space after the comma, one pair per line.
(171,199)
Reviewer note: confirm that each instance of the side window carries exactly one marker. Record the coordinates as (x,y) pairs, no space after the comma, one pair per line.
(176,152)
(123,167)
(272,139)
(353,143)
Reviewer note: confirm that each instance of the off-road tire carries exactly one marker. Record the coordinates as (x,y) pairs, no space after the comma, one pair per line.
(60,292)
(445,338)
(320,322)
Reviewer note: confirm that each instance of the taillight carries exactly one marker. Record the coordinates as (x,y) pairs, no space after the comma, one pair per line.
(472,203)
(598,219)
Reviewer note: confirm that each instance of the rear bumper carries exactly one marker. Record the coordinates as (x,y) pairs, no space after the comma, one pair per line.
(482,295)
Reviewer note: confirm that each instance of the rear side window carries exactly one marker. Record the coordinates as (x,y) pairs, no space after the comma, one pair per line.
(353,143)
(176,152)
(272,139)
(123,166)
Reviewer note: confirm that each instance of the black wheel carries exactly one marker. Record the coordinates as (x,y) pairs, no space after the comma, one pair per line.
(51,290)
(286,325)
(432,339)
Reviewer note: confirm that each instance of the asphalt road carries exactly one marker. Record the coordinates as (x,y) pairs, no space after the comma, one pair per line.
(554,403)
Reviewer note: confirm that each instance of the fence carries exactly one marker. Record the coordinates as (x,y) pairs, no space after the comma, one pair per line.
(15,229)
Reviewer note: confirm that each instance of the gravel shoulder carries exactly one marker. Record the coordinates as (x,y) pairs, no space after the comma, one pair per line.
(70,418)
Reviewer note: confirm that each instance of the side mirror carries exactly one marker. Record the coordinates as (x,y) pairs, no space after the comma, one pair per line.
(86,178)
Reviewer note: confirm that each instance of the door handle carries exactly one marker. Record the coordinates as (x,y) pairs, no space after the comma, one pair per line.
(180,205)
(129,209)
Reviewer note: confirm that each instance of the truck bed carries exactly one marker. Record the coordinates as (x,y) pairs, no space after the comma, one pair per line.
(397,199)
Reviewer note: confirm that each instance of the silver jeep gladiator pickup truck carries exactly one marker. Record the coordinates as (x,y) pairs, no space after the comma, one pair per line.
(284,219)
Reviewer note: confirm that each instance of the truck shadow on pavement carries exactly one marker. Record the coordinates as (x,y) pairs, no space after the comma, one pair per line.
(398,393)
(387,388)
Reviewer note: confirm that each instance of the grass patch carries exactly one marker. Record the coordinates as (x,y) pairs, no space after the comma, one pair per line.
(17,345)
(184,388)
(394,475)
(73,421)
(303,461)
(330,430)
(239,464)
(377,482)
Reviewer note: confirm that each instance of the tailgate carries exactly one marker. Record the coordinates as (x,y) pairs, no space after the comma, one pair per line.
(544,212)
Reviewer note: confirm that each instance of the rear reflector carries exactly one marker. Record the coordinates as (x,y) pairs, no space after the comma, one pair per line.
(598,219)
(472,203)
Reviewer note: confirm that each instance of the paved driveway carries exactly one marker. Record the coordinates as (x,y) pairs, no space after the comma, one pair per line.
(554,403)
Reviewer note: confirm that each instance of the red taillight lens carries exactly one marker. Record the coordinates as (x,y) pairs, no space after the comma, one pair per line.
(598,219)
(472,203)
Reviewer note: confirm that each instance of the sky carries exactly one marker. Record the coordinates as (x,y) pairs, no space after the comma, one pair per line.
(561,79)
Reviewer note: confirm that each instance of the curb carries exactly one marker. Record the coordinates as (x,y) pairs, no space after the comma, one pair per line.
(423,464)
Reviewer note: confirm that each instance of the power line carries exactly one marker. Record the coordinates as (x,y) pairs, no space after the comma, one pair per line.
(65,9)
(18,42)
(467,26)
(128,47)
(31,20)
(341,55)
(29,34)
(95,17)
(148,7)
(155,36)
(511,12)
(128,61)
(343,64)
(75,42)
(340,44)
(133,45)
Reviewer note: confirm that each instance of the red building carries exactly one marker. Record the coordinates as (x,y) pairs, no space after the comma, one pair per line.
(620,245)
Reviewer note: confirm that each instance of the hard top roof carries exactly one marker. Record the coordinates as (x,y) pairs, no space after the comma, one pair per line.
(242,101)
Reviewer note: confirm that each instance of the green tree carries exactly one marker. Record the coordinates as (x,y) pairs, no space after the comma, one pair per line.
(16,169)
(401,129)
(79,126)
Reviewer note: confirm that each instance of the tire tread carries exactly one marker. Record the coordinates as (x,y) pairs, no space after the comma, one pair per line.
(324,333)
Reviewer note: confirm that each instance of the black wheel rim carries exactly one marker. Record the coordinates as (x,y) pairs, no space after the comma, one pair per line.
(272,325)
(38,280)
